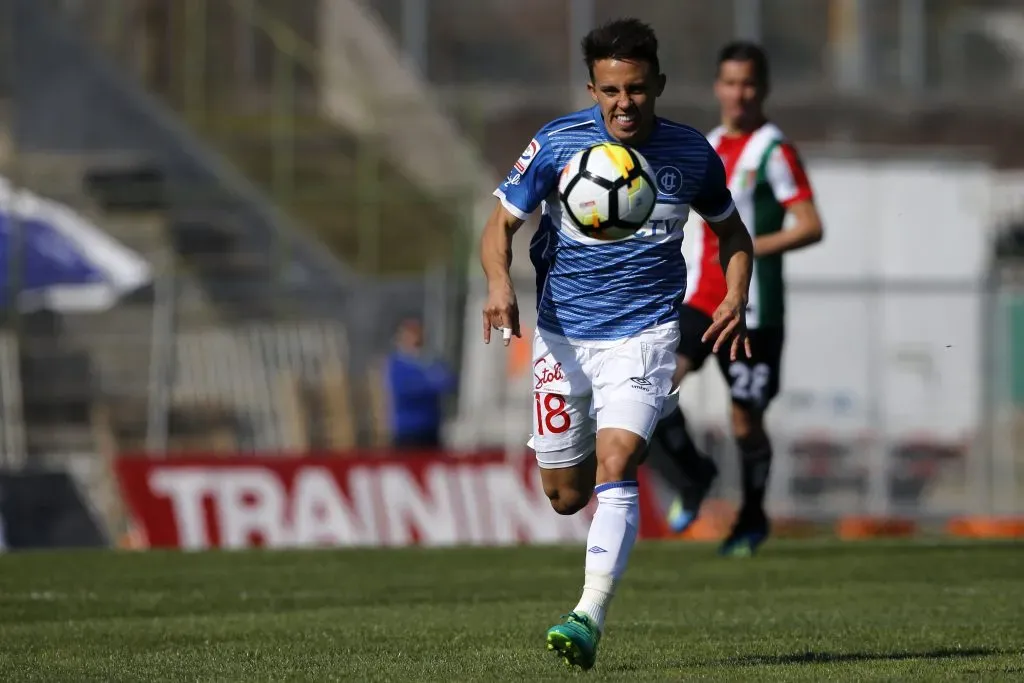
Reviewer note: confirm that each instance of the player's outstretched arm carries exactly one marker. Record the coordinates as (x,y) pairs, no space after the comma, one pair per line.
(736,254)
(792,189)
(501,312)
(805,231)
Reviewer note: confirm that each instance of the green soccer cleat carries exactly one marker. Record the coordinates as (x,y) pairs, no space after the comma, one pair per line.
(749,533)
(575,640)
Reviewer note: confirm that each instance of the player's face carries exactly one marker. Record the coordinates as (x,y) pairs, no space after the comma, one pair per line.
(739,93)
(410,335)
(626,91)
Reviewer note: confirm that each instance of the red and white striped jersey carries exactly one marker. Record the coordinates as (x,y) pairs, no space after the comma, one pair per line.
(765,176)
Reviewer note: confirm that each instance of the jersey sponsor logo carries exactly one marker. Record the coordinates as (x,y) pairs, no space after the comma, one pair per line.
(513,179)
(667,223)
(526,158)
(660,226)
(669,180)
(545,374)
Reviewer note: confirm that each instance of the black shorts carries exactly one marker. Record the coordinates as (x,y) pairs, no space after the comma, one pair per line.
(753,381)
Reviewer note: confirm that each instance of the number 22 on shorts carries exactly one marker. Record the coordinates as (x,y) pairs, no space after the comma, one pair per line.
(552,417)
(749,383)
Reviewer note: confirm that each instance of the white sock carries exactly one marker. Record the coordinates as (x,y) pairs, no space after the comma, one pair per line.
(612,534)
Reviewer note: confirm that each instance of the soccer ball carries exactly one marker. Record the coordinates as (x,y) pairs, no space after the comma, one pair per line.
(607,190)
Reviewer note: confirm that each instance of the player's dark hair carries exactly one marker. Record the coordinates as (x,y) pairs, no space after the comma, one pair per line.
(746,51)
(629,39)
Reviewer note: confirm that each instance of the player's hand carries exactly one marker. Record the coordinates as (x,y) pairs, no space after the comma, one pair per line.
(501,312)
(729,324)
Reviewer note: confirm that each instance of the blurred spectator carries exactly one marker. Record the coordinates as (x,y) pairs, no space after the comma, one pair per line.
(416,385)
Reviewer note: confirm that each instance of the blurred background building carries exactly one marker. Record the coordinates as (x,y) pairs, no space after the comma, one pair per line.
(300,176)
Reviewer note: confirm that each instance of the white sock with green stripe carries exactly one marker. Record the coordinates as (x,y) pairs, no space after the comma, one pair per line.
(612,534)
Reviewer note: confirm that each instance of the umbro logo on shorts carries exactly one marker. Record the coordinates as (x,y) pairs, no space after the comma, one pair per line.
(596,549)
(641,383)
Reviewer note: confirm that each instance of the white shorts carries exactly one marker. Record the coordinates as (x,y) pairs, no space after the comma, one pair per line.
(579,390)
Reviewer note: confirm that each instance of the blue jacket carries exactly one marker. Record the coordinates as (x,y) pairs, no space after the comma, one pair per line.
(416,386)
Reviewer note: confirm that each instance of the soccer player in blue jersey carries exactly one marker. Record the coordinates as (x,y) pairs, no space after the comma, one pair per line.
(608,312)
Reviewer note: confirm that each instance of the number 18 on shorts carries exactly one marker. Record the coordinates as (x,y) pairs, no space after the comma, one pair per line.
(552,416)
(581,389)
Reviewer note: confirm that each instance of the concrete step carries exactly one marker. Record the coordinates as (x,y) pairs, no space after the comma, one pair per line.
(62,438)
(119,341)
(62,173)
(145,232)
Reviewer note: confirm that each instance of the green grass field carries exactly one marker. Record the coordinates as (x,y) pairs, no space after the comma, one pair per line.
(803,610)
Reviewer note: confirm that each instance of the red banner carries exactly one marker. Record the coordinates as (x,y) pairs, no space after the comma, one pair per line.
(434,500)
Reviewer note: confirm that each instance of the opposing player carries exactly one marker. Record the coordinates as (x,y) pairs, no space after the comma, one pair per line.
(768,183)
(607,318)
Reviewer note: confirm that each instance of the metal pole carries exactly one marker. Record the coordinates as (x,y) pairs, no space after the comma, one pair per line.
(14,447)
(15,432)
(415,29)
(195,60)
(850,43)
(161,354)
(1009,441)
(912,44)
(368,201)
(437,309)
(581,21)
(978,499)
(431,321)
(747,19)
(246,46)
(1004,470)
(878,450)
(283,154)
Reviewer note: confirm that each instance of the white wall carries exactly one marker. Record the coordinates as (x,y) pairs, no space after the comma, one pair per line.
(902,360)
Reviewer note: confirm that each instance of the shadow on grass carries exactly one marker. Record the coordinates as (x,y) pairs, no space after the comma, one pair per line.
(833,657)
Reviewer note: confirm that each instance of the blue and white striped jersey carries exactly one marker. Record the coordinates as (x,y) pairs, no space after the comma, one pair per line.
(592,290)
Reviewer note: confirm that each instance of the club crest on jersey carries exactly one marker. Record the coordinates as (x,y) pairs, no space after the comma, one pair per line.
(745,179)
(526,158)
(669,180)
(750,178)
